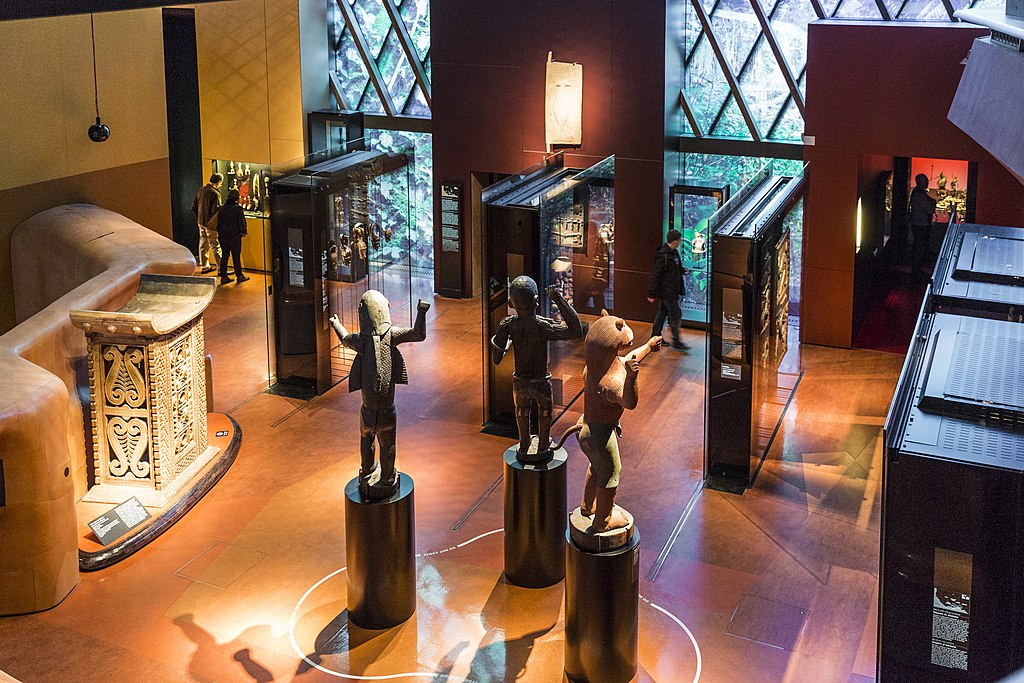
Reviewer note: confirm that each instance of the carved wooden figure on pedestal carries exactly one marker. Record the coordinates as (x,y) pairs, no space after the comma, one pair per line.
(528,334)
(377,368)
(609,388)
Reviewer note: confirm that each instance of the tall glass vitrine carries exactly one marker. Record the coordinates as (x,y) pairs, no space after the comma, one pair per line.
(557,225)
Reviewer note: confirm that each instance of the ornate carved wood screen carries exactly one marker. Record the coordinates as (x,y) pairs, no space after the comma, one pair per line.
(148,390)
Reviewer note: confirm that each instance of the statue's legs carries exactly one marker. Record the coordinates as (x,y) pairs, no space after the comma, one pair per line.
(367,434)
(589,493)
(542,394)
(521,396)
(601,446)
(386,438)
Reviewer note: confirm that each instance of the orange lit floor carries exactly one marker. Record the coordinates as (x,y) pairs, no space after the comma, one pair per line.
(778,584)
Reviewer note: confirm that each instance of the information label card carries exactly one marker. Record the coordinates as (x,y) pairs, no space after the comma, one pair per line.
(114,524)
(451,217)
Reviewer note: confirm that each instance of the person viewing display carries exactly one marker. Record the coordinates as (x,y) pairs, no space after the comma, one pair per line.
(204,207)
(231,227)
(921,210)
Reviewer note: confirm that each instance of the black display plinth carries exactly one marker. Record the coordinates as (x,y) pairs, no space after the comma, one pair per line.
(380,549)
(535,502)
(602,605)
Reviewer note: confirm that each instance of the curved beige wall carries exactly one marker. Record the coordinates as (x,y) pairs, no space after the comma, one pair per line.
(44,398)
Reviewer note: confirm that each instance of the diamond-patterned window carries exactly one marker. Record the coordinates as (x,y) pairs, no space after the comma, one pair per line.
(382,55)
(752,87)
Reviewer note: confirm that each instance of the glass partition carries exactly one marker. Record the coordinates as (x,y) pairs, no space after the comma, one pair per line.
(556,225)
(340,225)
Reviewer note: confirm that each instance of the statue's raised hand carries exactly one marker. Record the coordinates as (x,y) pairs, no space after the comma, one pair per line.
(632,366)
(423,305)
(655,343)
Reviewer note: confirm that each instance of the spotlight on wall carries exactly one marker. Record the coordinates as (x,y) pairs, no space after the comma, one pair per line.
(98,132)
(563,103)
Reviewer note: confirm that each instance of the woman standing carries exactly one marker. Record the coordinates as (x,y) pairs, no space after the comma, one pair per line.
(232,228)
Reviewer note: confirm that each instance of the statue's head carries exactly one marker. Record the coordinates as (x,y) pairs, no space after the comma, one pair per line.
(374,313)
(607,335)
(522,292)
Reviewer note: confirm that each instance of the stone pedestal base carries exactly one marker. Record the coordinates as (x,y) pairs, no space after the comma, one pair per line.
(602,604)
(380,549)
(584,536)
(150,498)
(535,501)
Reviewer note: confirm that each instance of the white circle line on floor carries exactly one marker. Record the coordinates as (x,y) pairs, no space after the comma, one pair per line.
(434,674)
(696,647)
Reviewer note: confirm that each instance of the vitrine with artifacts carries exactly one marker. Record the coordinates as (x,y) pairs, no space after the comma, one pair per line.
(557,225)
(253,184)
(950,586)
(748,311)
(339,227)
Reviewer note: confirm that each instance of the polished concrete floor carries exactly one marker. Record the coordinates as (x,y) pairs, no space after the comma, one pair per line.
(778,584)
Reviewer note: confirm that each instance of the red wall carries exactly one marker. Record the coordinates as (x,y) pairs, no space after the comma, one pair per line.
(879,88)
(488,112)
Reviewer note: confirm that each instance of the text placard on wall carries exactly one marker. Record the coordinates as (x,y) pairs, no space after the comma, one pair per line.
(451,217)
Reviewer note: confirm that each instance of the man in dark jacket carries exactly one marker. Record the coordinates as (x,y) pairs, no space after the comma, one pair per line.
(204,207)
(666,287)
(921,209)
(232,228)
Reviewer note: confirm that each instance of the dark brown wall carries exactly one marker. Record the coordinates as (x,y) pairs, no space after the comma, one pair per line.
(488,112)
(878,88)
(138,191)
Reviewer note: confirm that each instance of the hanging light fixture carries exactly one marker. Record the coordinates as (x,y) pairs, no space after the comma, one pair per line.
(98,132)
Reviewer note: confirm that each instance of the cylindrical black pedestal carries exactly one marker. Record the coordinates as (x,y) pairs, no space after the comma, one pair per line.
(535,504)
(380,548)
(602,604)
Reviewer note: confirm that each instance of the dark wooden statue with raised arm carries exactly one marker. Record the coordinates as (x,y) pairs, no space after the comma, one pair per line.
(528,334)
(609,388)
(377,368)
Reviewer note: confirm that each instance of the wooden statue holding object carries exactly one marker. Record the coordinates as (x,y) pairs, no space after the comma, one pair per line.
(609,388)
(528,334)
(377,368)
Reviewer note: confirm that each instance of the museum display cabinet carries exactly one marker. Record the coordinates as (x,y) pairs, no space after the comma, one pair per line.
(949,582)
(555,224)
(340,226)
(253,184)
(748,313)
(980,272)
(953,474)
(690,205)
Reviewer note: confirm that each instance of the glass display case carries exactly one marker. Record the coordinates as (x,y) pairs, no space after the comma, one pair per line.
(748,311)
(953,473)
(691,204)
(253,184)
(340,226)
(557,225)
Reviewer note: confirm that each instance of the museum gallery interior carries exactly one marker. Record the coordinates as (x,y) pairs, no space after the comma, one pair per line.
(333,337)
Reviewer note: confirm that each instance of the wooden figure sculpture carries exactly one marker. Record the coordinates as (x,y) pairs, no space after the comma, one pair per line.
(528,334)
(377,368)
(609,388)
